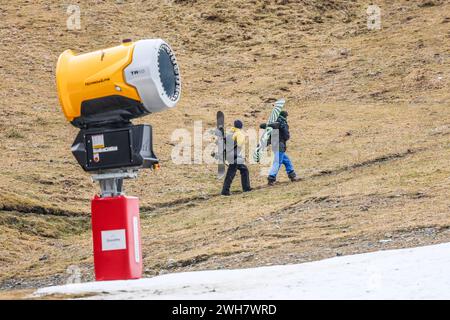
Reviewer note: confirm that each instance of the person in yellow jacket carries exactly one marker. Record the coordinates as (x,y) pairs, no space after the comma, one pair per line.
(234,144)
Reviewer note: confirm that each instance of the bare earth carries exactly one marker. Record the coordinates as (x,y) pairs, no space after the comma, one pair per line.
(369,112)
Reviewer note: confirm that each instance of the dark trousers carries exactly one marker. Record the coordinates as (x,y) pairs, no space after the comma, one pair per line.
(231,173)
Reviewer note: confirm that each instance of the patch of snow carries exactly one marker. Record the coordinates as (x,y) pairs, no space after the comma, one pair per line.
(416,273)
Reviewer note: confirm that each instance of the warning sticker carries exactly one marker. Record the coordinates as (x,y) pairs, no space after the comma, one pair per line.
(98,141)
(107,149)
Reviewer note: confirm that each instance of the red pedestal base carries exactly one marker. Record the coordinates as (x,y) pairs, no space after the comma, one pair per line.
(116,237)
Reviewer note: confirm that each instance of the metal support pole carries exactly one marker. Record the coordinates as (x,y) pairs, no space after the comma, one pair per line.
(111,181)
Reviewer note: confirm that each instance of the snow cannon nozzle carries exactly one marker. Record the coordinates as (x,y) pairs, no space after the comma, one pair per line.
(118,84)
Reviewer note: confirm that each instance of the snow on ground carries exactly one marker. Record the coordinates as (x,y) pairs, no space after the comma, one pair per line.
(417,273)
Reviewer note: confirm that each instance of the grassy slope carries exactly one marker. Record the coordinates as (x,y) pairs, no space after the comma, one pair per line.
(369,114)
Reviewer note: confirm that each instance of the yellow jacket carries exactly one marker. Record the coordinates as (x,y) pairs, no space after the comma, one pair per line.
(234,150)
(238,136)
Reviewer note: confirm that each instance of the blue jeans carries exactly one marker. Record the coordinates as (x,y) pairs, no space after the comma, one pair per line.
(281,158)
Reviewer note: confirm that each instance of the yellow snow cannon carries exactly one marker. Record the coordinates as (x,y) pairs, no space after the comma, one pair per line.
(115,85)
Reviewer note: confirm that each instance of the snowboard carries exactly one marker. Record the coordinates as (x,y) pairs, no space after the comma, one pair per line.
(278,107)
(221,153)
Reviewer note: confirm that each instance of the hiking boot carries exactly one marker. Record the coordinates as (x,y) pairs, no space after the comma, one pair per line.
(293,177)
(271,180)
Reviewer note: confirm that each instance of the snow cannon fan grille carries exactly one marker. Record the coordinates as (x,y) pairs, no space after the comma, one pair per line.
(169,72)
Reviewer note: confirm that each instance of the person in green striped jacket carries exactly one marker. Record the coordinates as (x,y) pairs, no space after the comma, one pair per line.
(279,148)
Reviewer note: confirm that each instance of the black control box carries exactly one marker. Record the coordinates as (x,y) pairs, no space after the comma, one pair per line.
(98,149)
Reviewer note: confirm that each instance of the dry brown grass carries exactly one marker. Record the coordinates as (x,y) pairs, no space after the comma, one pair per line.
(358,101)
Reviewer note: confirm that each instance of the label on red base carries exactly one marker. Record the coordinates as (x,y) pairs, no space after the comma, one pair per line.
(113,240)
(136,239)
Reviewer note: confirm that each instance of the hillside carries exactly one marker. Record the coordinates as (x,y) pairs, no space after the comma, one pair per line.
(369,114)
